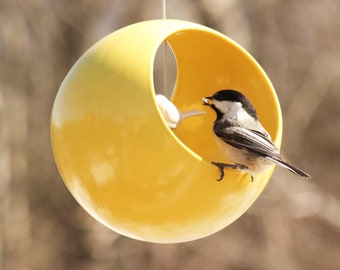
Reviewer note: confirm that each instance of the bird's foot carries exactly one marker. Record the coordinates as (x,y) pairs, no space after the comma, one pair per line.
(221,166)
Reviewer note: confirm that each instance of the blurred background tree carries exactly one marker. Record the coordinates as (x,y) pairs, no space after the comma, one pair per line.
(294,224)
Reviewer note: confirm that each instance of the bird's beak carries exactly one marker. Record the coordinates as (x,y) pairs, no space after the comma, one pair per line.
(206,101)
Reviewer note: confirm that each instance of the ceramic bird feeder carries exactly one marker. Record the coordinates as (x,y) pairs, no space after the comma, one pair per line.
(119,158)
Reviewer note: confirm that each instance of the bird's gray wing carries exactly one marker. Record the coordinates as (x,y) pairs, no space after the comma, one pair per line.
(251,140)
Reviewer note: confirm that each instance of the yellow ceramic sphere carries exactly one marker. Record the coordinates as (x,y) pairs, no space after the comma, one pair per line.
(121,161)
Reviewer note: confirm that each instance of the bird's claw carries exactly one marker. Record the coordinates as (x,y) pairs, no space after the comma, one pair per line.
(221,166)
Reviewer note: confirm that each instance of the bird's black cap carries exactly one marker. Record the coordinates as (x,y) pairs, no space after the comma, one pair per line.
(235,96)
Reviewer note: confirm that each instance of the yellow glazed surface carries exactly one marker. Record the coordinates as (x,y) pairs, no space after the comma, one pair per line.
(119,159)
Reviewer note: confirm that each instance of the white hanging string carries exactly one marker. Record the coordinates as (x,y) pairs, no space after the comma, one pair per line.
(170,112)
(165,52)
(164,9)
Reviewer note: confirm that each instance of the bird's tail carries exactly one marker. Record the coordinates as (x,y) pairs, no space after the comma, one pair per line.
(292,168)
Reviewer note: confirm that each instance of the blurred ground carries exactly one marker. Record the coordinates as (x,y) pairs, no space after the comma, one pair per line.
(294,225)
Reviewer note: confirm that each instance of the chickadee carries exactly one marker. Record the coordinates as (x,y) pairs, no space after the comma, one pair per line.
(241,137)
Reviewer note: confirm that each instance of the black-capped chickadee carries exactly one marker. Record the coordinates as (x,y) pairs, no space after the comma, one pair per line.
(241,137)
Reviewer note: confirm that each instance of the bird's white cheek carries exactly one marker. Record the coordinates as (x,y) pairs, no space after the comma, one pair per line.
(230,109)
